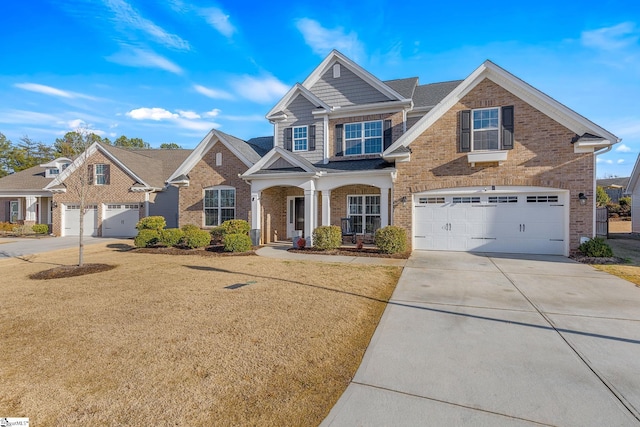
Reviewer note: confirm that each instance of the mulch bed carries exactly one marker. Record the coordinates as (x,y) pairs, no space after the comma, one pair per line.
(597,260)
(364,252)
(71,271)
(213,250)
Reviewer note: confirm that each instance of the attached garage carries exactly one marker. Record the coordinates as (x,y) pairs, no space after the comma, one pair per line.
(529,220)
(119,220)
(72,220)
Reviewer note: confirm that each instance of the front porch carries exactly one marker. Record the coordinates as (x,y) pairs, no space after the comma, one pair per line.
(21,209)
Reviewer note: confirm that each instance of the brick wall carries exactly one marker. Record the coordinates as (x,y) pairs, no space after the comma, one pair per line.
(117,191)
(206,174)
(543,156)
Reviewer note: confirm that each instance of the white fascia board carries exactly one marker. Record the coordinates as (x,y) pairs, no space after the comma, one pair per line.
(231,148)
(276,112)
(79,161)
(275,154)
(375,108)
(56,162)
(193,158)
(335,56)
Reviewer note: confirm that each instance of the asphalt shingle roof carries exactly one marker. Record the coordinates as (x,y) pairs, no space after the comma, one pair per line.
(404,87)
(430,95)
(28,179)
(248,151)
(607,182)
(262,144)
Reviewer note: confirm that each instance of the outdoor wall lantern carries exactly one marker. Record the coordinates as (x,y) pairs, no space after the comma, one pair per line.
(403,199)
(54,205)
(583,199)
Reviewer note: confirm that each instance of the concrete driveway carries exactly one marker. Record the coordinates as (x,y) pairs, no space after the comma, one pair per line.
(20,246)
(479,339)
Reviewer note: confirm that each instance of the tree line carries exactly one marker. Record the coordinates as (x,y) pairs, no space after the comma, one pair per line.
(28,153)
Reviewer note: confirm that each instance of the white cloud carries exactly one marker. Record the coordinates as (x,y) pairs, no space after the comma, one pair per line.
(620,161)
(192,115)
(213,113)
(144,59)
(622,148)
(151,114)
(260,89)
(218,20)
(127,15)
(76,124)
(212,93)
(196,125)
(52,91)
(611,38)
(323,40)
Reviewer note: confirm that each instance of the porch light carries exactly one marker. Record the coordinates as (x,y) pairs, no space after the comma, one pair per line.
(54,205)
(403,199)
(583,199)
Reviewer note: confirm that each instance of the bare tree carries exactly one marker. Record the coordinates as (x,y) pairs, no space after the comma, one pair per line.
(84,181)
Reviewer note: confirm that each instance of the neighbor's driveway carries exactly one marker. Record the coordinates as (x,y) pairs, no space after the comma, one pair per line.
(500,340)
(19,246)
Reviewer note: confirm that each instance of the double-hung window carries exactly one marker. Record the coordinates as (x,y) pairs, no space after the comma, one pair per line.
(219,205)
(364,211)
(101,173)
(300,140)
(363,138)
(486,130)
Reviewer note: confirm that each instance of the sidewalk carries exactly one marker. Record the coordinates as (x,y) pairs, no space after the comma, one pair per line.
(279,250)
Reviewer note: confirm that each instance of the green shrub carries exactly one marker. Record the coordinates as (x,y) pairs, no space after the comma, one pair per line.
(189,227)
(327,237)
(236,226)
(40,228)
(146,238)
(195,237)
(217,234)
(596,247)
(170,236)
(237,243)
(6,226)
(151,223)
(391,239)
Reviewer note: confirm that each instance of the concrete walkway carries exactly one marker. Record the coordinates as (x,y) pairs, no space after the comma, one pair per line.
(280,250)
(472,339)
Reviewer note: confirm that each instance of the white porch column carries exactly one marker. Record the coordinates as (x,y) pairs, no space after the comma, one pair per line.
(326,207)
(310,215)
(30,215)
(384,206)
(256,208)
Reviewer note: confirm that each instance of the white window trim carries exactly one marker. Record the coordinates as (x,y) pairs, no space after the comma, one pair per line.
(364,214)
(18,213)
(219,208)
(362,139)
(294,139)
(95,174)
(473,130)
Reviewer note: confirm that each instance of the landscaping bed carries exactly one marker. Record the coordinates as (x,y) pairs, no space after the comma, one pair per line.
(346,251)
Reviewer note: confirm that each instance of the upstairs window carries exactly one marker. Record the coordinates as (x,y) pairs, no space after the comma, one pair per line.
(486,129)
(486,135)
(363,138)
(101,174)
(300,141)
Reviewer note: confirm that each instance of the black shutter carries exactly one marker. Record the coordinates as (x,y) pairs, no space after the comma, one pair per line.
(507,127)
(465,131)
(312,137)
(387,134)
(90,174)
(337,136)
(288,138)
(107,175)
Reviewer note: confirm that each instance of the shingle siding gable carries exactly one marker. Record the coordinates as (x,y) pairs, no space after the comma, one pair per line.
(299,114)
(348,89)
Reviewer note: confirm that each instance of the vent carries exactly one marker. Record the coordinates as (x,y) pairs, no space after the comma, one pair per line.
(336,71)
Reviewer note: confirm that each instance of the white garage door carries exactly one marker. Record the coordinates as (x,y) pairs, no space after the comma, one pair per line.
(72,220)
(120,220)
(513,223)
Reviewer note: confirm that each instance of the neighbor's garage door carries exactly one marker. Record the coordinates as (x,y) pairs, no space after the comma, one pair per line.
(72,220)
(517,223)
(120,220)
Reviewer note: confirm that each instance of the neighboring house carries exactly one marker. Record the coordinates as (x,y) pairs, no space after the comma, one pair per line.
(633,189)
(123,185)
(484,164)
(614,187)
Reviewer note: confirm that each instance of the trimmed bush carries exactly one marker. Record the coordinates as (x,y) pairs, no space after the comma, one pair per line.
(217,234)
(327,237)
(596,248)
(189,227)
(237,243)
(196,238)
(146,238)
(391,239)
(151,223)
(6,226)
(40,228)
(236,226)
(170,236)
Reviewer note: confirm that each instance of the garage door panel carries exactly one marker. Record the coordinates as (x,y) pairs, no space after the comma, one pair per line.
(120,220)
(72,220)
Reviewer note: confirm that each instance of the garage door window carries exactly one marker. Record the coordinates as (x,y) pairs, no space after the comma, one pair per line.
(542,199)
(219,205)
(364,212)
(503,199)
(473,199)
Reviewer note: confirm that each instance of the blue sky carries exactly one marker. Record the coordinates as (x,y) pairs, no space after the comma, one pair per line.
(170,71)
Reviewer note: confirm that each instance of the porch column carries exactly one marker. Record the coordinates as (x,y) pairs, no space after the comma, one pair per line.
(256,208)
(326,207)
(310,215)
(30,214)
(384,206)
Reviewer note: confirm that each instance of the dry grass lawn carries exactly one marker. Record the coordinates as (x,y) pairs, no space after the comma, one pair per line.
(625,246)
(161,340)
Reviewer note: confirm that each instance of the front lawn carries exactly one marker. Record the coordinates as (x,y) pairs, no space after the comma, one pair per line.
(175,340)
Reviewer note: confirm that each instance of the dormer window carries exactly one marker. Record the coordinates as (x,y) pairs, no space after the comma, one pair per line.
(54,171)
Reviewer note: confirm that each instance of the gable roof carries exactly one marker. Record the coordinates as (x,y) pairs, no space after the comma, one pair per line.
(404,87)
(613,182)
(261,144)
(277,111)
(32,179)
(295,161)
(241,149)
(429,95)
(544,103)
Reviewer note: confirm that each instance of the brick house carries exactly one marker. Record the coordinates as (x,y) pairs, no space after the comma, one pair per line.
(488,163)
(123,185)
(633,190)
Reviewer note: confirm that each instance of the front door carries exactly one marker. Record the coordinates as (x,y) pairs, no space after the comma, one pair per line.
(14,211)
(295,216)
